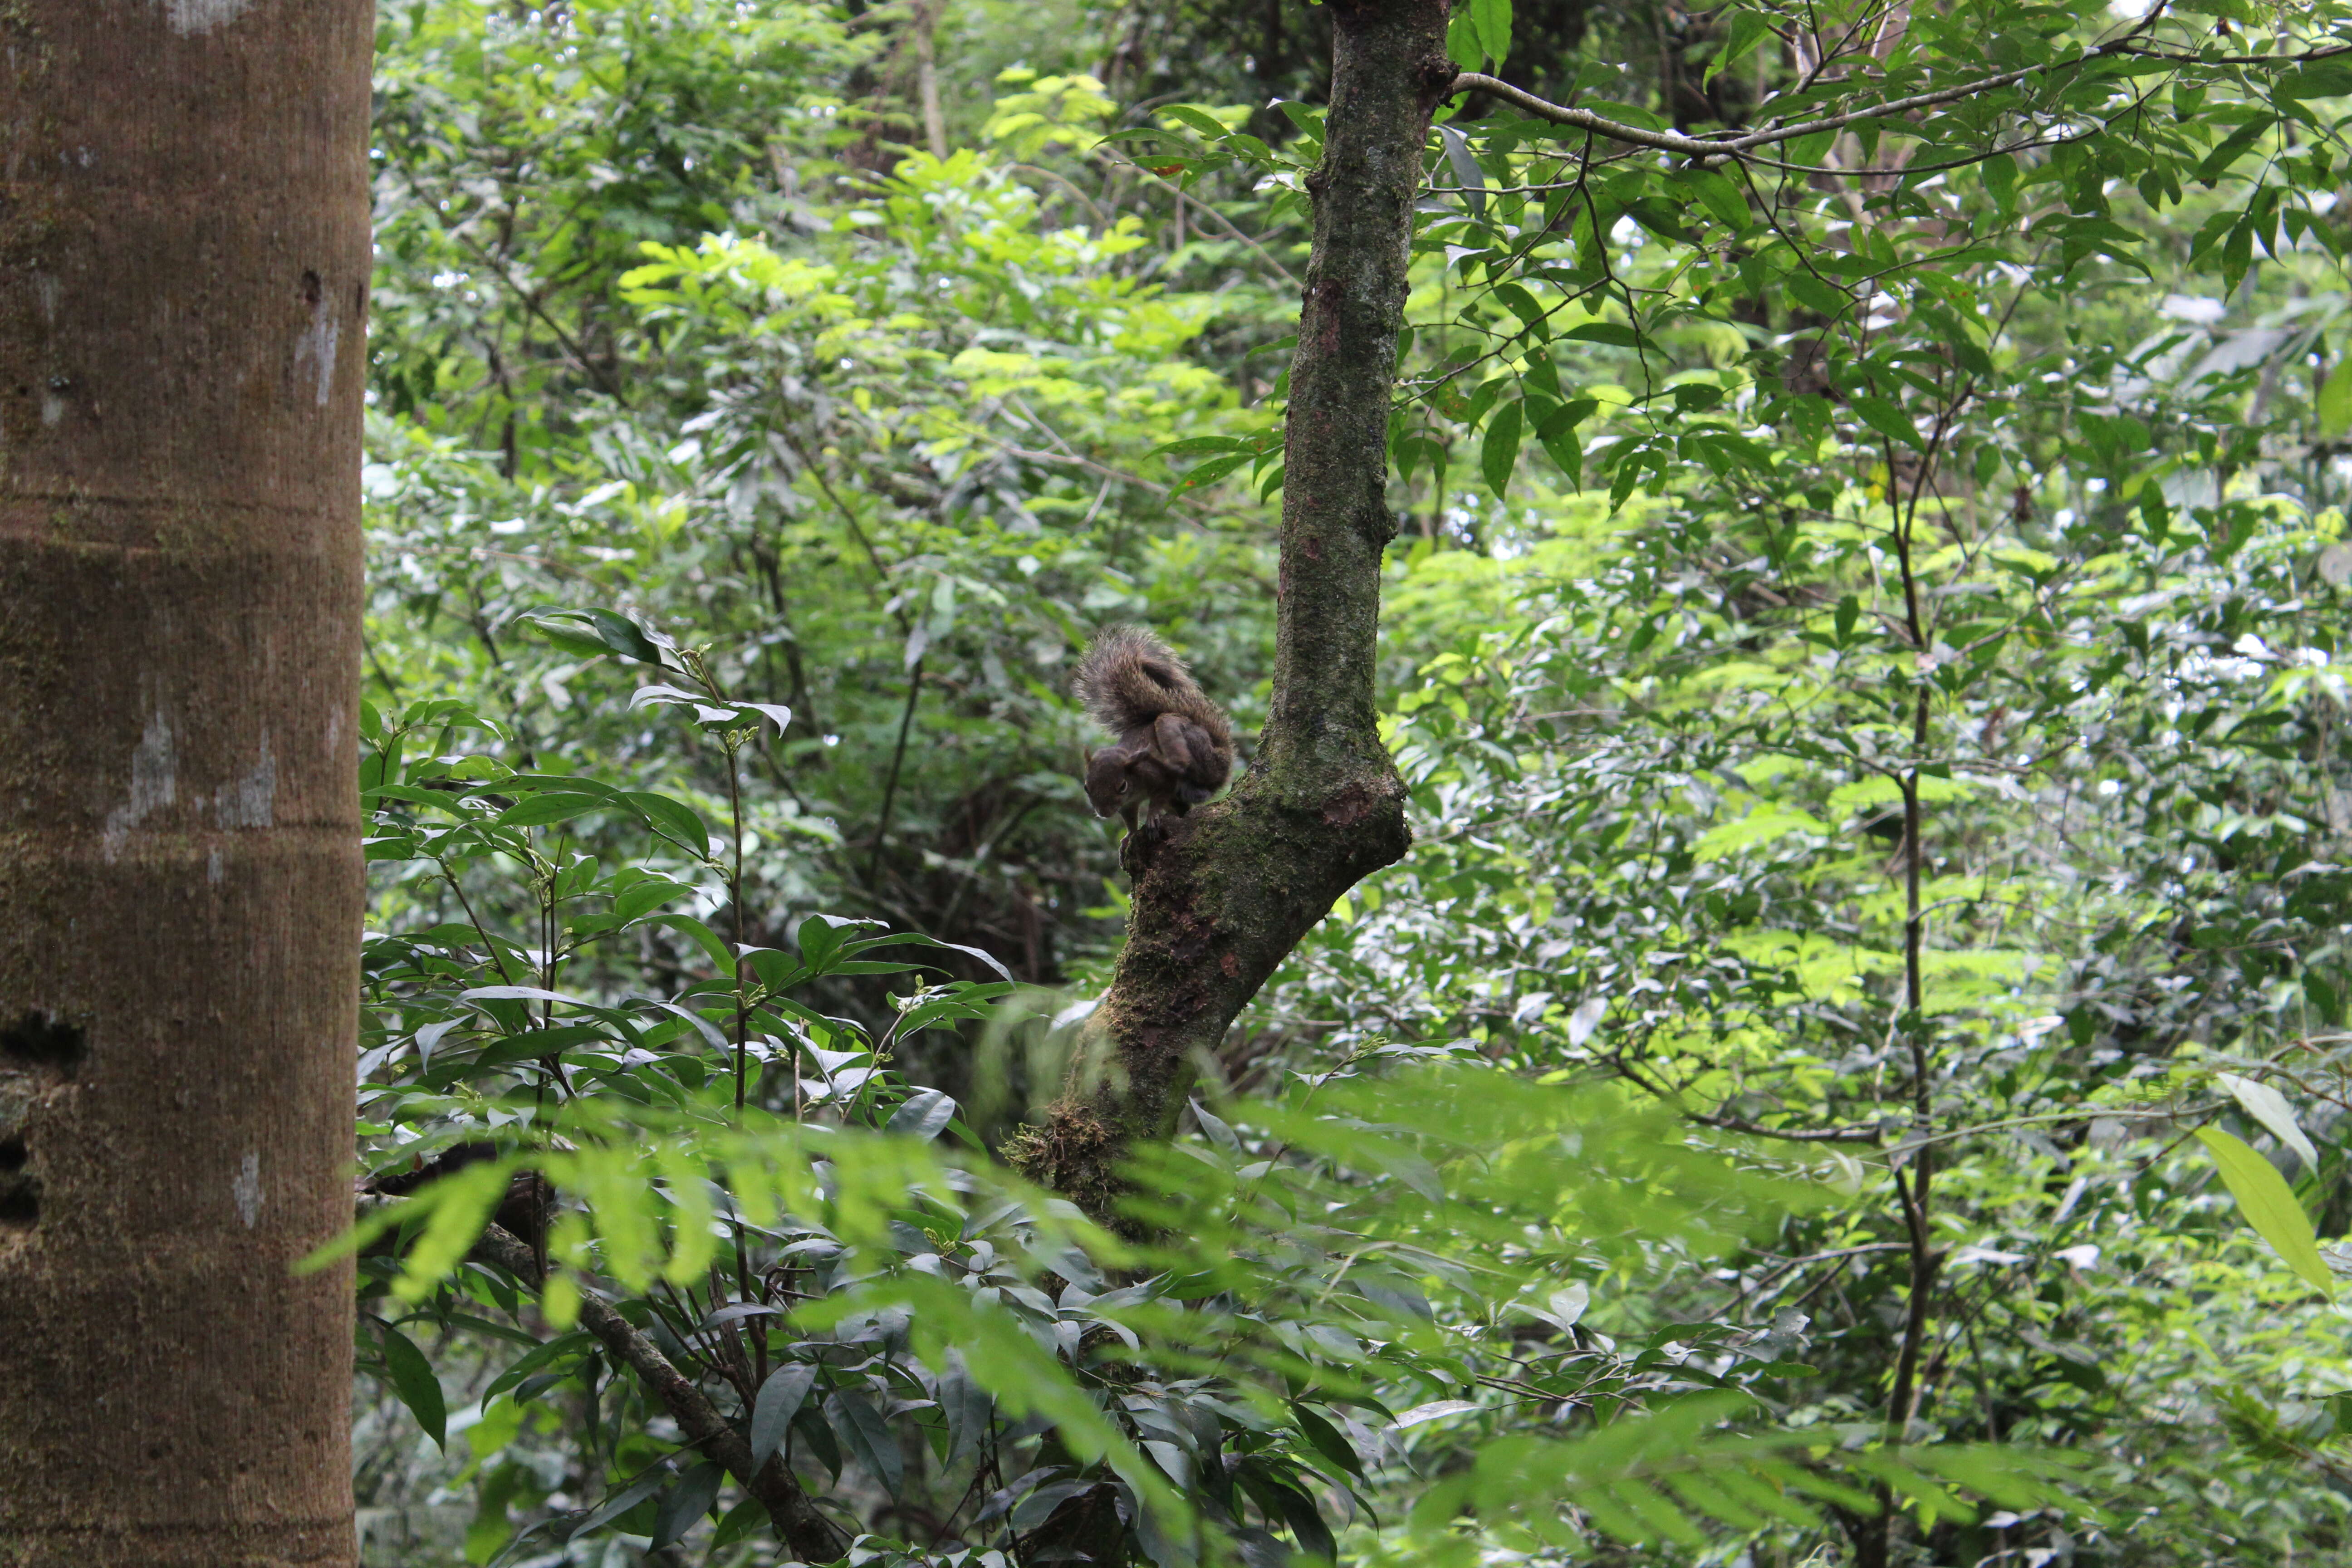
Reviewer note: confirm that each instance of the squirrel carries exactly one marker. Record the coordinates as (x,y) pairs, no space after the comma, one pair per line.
(1174,747)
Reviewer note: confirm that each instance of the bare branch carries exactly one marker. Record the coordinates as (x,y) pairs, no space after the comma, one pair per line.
(1716,149)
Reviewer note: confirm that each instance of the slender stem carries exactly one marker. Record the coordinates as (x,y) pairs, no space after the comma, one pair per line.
(475,920)
(735,898)
(849,518)
(742,1002)
(1112,157)
(734,740)
(927,76)
(549,1066)
(890,784)
(1913,1196)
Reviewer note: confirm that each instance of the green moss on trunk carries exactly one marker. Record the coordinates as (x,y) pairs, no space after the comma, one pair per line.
(1223,898)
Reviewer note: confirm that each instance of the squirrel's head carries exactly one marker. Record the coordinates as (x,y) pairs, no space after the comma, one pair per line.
(1106,781)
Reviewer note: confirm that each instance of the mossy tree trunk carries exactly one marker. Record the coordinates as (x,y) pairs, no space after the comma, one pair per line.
(184,266)
(1224,898)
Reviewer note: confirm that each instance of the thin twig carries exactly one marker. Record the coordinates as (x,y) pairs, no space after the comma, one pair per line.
(1718,149)
(890,785)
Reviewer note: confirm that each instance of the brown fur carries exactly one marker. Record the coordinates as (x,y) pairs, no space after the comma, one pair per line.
(1174,747)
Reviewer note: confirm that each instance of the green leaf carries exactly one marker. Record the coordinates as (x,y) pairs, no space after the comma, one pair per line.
(1197,119)
(1498,455)
(1559,421)
(780,1400)
(1306,1526)
(1817,296)
(622,635)
(1493,20)
(1614,333)
(1211,471)
(1463,43)
(689,1501)
(1568,453)
(2324,997)
(817,1439)
(1466,171)
(1529,310)
(520,994)
(1327,1440)
(2269,1205)
(574,1343)
(533,1043)
(740,1521)
(616,1504)
(456,1208)
(2269,1107)
(2232,147)
(711,1032)
(1749,28)
(868,1437)
(1193,445)
(2321,79)
(572,638)
(923,1115)
(412,1379)
(1723,200)
(675,818)
(1884,415)
(1999,174)
(819,938)
(2333,404)
(542,810)
(644,898)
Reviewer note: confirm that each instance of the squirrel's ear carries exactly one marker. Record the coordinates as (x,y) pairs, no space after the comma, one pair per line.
(1089,754)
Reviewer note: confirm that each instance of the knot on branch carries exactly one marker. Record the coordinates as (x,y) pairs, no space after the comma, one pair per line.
(1360,803)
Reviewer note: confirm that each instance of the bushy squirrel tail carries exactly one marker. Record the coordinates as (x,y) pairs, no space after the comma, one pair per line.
(1128,677)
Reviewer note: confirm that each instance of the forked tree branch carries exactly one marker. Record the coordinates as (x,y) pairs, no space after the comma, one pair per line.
(1225,894)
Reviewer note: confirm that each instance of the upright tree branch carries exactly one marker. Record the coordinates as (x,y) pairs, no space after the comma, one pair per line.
(1225,894)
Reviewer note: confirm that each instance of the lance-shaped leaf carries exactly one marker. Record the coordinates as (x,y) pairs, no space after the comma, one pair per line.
(779,1401)
(2269,1205)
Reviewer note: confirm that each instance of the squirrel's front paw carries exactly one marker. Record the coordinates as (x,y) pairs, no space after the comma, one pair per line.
(1136,850)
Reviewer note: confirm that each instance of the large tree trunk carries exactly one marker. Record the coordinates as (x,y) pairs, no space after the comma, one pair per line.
(184,264)
(1230,891)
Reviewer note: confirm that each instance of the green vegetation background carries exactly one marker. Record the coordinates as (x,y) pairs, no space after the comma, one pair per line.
(674,317)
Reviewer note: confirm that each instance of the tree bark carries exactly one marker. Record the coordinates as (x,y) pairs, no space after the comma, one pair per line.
(183,265)
(927,76)
(1221,899)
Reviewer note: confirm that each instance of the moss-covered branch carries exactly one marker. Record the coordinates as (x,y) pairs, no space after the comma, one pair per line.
(1230,891)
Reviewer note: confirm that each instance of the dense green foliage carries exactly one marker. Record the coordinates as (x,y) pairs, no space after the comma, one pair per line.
(1861,1033)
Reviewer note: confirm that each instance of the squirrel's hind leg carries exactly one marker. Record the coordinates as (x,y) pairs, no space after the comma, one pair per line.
(1171,743)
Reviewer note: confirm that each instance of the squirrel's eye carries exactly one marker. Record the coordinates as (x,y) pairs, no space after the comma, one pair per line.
(1122,786)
